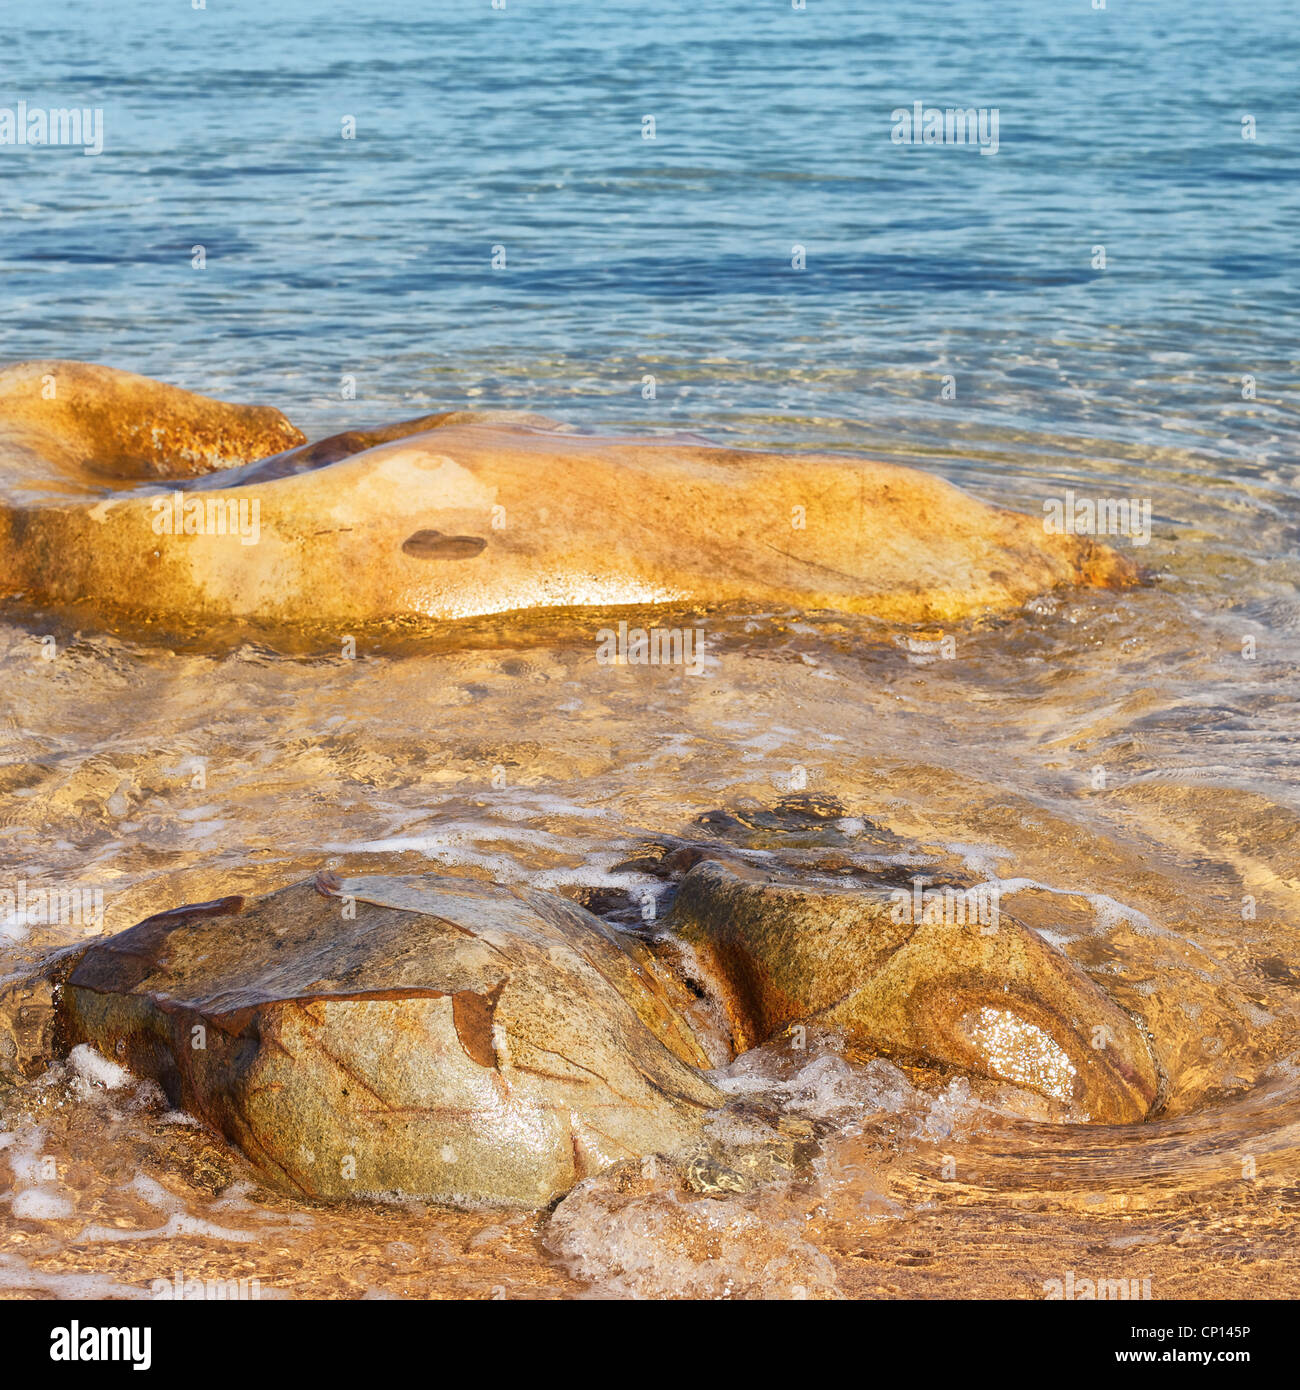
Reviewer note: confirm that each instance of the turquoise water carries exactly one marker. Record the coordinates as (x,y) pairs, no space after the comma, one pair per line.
(625,257)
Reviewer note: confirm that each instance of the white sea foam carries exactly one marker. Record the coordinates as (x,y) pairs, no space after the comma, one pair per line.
(35,1195)
(1108,913)
(93,1068)
(17,1274)
(178,1224)
(827,1087)
(41,1204)
(663,1244)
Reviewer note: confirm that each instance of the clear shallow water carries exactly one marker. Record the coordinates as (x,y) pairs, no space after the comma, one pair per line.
(626,257)
(671,257)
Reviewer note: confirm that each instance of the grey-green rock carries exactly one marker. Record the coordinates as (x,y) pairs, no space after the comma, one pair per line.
(432,1038)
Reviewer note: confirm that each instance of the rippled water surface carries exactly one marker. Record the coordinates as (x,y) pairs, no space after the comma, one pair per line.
(1123,765)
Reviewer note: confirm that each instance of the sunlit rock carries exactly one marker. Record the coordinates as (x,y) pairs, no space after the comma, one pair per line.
(67,428)
(438,1039)
(456,516)
(455,1041)
(943,979)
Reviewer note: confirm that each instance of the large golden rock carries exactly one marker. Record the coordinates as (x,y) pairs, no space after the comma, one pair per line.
(454,515)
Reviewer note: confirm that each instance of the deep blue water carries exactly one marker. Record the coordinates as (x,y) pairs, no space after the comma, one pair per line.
(625,257)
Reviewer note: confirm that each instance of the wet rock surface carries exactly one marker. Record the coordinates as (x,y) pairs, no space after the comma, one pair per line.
(382,1037)
(451,1040)
(987,997)
(71,427)
(531,516)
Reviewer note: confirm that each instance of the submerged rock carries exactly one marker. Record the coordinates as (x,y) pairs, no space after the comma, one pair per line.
(29,1018)
(468,516)
(988,997)
(432,1038)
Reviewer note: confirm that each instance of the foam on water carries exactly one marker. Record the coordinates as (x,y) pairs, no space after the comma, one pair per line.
(18,1275)
(178,1224)
(35,1195)
(92,1068)
(1109,912)
(666,1245)
(826,1088)
(646,1237)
